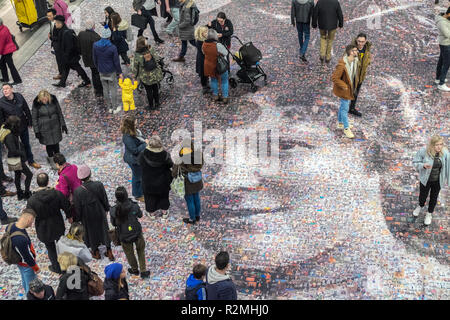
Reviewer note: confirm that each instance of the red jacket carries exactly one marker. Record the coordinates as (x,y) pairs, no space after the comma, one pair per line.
(7,46)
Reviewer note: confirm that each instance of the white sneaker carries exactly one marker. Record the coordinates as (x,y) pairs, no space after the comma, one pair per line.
(427,221)
(444,88)
(437,81)
(417,211)
(117,110)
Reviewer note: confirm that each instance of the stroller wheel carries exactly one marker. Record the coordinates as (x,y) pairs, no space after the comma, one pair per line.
(254,88)
(233,83)
(169,80)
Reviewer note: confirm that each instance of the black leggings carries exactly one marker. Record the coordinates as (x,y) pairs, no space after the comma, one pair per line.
(28,176)
(125,58)
(52,149)
(152,94)
(434,187)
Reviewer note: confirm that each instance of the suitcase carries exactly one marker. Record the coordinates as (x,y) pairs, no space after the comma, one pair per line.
(139,21)
(26,11)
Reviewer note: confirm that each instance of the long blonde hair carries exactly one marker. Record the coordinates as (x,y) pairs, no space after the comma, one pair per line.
(44,94)
(201,33)
(67,259)
(430,148)
(76,232)
(189,3)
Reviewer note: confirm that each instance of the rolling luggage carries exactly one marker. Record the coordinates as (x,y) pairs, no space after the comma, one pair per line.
(30,12)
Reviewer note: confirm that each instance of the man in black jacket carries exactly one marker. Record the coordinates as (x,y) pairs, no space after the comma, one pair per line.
(68,53)
(327,14)
(301,12)
(40,291)
(53,37)
(48,203)
(219,285)
(86,41)
(14,104)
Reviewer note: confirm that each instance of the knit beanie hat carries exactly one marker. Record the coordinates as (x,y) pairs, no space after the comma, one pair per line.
(113,271)
(83,172)
(106,32)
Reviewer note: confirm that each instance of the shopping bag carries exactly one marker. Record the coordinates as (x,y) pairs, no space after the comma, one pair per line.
(177,184)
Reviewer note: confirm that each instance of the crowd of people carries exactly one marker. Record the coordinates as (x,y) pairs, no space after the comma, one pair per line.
(154,173)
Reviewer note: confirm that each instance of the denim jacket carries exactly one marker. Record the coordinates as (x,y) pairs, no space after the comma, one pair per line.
(422,158)
(133,147)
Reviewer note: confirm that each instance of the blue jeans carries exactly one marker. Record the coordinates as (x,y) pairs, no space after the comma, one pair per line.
(303,29)
(175,13)
(25,138)
(443,64)
(136,180)
(343,112)
(215,85)
(184,45)
(27,275)
(193,204)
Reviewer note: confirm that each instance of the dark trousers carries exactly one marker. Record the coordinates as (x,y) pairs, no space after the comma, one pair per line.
(125,58)
(204,80)
(52,149)
(303,31)
(78,68)
(52,256)
(25,138)
(152,94)
(18,175)
(151,22)
(353,102)
(6,61)
(2,170)
(3,215)
(184,45)
(59,64)
(98,88)
(194,205)
(140,249)
(443,64)
(434,187)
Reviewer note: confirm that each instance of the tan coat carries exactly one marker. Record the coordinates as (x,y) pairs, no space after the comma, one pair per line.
(342,86)
(363,63)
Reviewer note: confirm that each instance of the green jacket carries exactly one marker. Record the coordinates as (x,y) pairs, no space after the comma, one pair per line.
(146,77)
(364,62)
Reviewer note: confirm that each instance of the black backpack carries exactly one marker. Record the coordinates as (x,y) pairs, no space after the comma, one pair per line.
(195,16)
(191,292)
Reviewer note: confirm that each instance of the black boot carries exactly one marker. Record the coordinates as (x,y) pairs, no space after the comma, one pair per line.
(20,195)
(27,195)
(355,112)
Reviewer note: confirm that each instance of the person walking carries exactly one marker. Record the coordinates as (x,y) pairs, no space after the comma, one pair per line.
(156,176)
(145,7)
(433,165)
(16,157)
(124,217)
(86,40)
(344,79)
(53,37)
(443,25)
(219,285)
(66,290)
(21,243)
(47,203)
(147,70)
(119,29)
(7,48)
(68,180)
(14,104)
(40,291)
(62,9)
(186,28)
(91,204)
(301,13)
(189,165)
(364,60)
(224,28)
(201,34)
(68,54)
(173,7)
(74,243)
(134,144)
(115,284)
(327,15)
(48,123)
(106,60)
(211,49)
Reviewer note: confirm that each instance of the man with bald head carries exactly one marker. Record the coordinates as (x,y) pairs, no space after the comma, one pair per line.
(86,40)
(48,203)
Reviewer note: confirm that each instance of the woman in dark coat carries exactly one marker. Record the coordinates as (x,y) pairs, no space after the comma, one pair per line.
(16,149)
(91,204)
(64,292)
(156,176)
(119,29)
(115,284)
(134,145)
(48,123)
(201,33)
(108,12)
(224,29)
(191,163)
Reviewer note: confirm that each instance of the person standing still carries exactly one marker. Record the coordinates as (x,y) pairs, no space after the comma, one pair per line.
(301,13)
(327,15)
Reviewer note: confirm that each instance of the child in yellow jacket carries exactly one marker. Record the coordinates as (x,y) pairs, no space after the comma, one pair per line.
(127,93)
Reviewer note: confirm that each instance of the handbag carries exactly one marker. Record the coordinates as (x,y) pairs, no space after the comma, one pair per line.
(14,164)
(95,284)
(14,41)
(114,236)
(222,64)
(139,21)
(194,177)
(177,184)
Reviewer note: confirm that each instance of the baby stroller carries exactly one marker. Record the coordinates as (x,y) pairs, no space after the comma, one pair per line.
(165,72)
(247,58)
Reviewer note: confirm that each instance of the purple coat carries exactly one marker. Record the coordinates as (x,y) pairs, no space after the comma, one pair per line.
(68,186)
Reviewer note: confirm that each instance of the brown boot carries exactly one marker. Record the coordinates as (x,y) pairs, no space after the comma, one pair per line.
(58,77)
(179,59)
(96,255)
(110,255)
